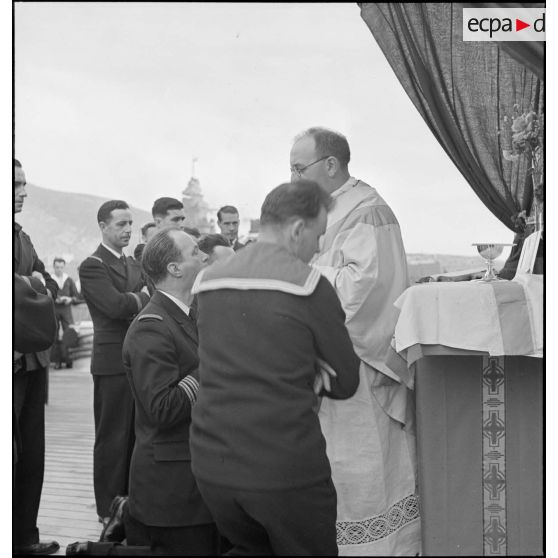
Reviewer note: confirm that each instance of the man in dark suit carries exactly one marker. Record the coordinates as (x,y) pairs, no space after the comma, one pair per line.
(165,509)
(228,221)
(29,393)
(115,292)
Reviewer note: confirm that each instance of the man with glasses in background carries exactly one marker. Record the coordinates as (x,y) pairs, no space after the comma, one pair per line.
(370,437)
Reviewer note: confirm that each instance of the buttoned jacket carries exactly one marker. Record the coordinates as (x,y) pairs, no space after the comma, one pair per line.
(161,361)
(111,288)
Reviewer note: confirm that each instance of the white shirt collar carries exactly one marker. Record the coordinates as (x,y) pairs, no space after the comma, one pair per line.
(112,251)
(345,187)
(60,280)
(184,307)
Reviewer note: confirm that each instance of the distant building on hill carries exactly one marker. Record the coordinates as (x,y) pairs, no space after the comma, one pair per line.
(196,208)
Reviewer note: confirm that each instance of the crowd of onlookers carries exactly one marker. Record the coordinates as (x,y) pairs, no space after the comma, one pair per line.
(242,397)
(166,212)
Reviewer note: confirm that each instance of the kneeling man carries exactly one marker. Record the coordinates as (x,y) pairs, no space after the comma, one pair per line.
(265,319)
(165,508)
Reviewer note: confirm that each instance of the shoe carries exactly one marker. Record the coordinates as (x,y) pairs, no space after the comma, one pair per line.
(69,364)
(58,366)
(113,530)
(77,548)
(38,548)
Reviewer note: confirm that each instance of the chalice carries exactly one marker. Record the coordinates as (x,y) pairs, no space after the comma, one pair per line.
(489,252)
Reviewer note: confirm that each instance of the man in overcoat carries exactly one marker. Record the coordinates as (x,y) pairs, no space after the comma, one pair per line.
(29,393)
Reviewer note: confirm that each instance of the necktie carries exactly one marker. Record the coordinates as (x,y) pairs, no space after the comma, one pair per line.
(17,248)
(125,264)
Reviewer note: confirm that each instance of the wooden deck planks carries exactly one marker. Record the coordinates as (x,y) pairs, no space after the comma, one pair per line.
(67,513)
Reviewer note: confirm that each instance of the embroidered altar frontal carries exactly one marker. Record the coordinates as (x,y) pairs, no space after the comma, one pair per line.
(480,454)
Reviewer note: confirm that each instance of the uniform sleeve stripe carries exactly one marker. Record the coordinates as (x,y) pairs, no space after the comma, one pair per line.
(190,386)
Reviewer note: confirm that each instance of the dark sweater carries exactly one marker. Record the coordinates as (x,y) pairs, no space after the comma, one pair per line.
(254,425)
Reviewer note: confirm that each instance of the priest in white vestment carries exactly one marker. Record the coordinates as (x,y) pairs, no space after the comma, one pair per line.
(371,436)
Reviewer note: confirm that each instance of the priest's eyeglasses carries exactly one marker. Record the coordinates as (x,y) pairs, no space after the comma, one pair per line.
(299,170)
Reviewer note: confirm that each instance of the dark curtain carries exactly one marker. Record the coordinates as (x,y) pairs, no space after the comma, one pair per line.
(530,54)
(463,90)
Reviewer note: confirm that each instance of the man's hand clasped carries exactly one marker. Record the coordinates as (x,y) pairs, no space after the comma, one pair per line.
(322,379)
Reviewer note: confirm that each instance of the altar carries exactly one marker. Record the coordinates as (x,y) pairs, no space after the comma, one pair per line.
(472,351)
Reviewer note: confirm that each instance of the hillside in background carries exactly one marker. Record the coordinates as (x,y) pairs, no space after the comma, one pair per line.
(65,224)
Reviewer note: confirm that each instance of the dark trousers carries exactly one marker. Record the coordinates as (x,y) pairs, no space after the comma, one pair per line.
(193,540)
(63,320)
(298,522)
(113,408)
(29,388)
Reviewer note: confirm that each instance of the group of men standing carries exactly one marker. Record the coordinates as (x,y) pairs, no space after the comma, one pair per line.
(116,289)
(249,400)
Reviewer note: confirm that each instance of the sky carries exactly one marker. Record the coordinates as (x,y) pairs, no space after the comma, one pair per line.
(116,99)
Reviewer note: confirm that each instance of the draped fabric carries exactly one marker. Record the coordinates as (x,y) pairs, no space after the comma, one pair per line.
(463,90)
(530,54)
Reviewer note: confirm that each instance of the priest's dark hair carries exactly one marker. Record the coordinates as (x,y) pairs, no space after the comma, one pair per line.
(329,144)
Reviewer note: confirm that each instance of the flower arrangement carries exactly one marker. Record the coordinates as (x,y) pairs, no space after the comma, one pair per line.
(525,132)
(522,136)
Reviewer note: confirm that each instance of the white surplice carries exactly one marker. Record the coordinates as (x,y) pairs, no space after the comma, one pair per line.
(370,437)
